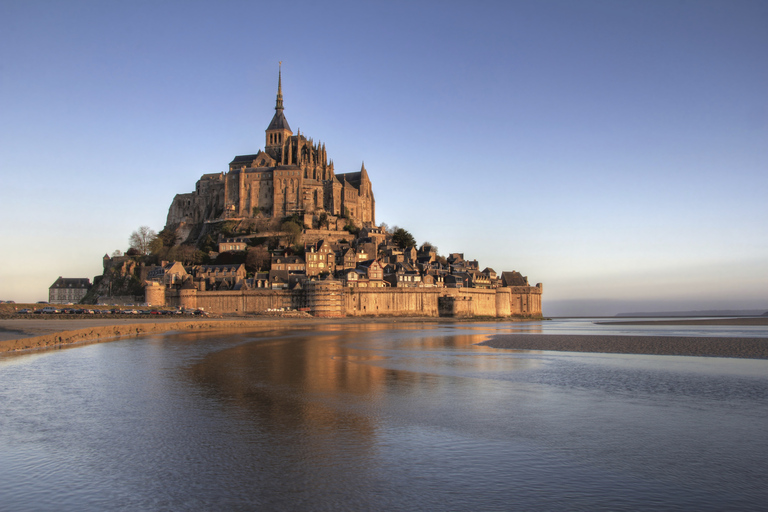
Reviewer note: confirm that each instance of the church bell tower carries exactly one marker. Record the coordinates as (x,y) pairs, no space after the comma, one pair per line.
(278,131)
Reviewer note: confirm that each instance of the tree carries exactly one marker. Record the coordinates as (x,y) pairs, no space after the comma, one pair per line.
(141,239)
(403,239)
(292,232)
(189,255)
(351,228)
(229,228)
(156,247)
(230,258)
(322,220)
(257,258)
(168,237)
(209,244)
(428,247)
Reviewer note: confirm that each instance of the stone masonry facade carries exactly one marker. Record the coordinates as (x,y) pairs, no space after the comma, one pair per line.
(291,175)
(343,264)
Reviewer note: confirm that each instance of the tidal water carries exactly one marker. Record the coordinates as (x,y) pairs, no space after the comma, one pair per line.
(380,417)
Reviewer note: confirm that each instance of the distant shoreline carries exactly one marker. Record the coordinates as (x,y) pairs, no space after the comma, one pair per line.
(698,321)
(751,348)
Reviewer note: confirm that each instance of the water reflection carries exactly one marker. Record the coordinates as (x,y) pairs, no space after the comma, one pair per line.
(375,416)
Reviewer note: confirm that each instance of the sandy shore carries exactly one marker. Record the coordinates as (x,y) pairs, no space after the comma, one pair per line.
(753,348)
(20,334)
(33,334)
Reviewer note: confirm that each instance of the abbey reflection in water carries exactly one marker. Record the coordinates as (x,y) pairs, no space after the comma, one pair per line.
(375,416)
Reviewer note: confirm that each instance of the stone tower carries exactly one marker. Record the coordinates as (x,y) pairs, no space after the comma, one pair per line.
(292,175)
(278,132)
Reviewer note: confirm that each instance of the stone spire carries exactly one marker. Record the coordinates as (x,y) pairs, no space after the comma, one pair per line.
(278,130)
(279,102)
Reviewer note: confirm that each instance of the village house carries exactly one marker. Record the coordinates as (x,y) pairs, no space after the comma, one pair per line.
(319,259)
(68,290)
(219,277)
(233,244)
(402,275)
(290,263)
(513,278)
(370,275)
(168,273)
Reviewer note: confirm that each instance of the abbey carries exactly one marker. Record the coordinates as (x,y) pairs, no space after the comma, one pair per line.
(292,175)
(279,229)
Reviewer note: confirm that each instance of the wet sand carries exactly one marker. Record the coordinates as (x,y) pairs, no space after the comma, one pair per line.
(22,334)
(752,348)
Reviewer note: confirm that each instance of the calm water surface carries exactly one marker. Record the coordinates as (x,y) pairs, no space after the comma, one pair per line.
(379,417)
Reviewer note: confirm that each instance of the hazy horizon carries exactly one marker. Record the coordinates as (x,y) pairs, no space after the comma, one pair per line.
(614,151)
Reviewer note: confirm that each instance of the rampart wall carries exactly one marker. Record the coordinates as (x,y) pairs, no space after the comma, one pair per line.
(247,301)
(391,301)
(331,299)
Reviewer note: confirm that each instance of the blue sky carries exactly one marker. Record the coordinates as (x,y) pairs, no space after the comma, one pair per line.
(616,151)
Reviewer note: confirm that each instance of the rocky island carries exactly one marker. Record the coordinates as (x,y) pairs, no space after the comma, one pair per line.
(280,229)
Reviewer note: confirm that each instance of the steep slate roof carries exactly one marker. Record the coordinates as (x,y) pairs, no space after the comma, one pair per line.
(353,178)
(278,276)
(244,159)
(71,282)
(279,122)
(513,279)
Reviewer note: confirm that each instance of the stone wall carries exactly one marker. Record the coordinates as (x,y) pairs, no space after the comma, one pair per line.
(482,302)
(526,300)
(325,299)
(391,301)
(331,299)
(455,307)
(154,294)
(312,236)
(238,302)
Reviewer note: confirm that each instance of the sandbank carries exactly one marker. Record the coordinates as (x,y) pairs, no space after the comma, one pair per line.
(752,348)
(23,334)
